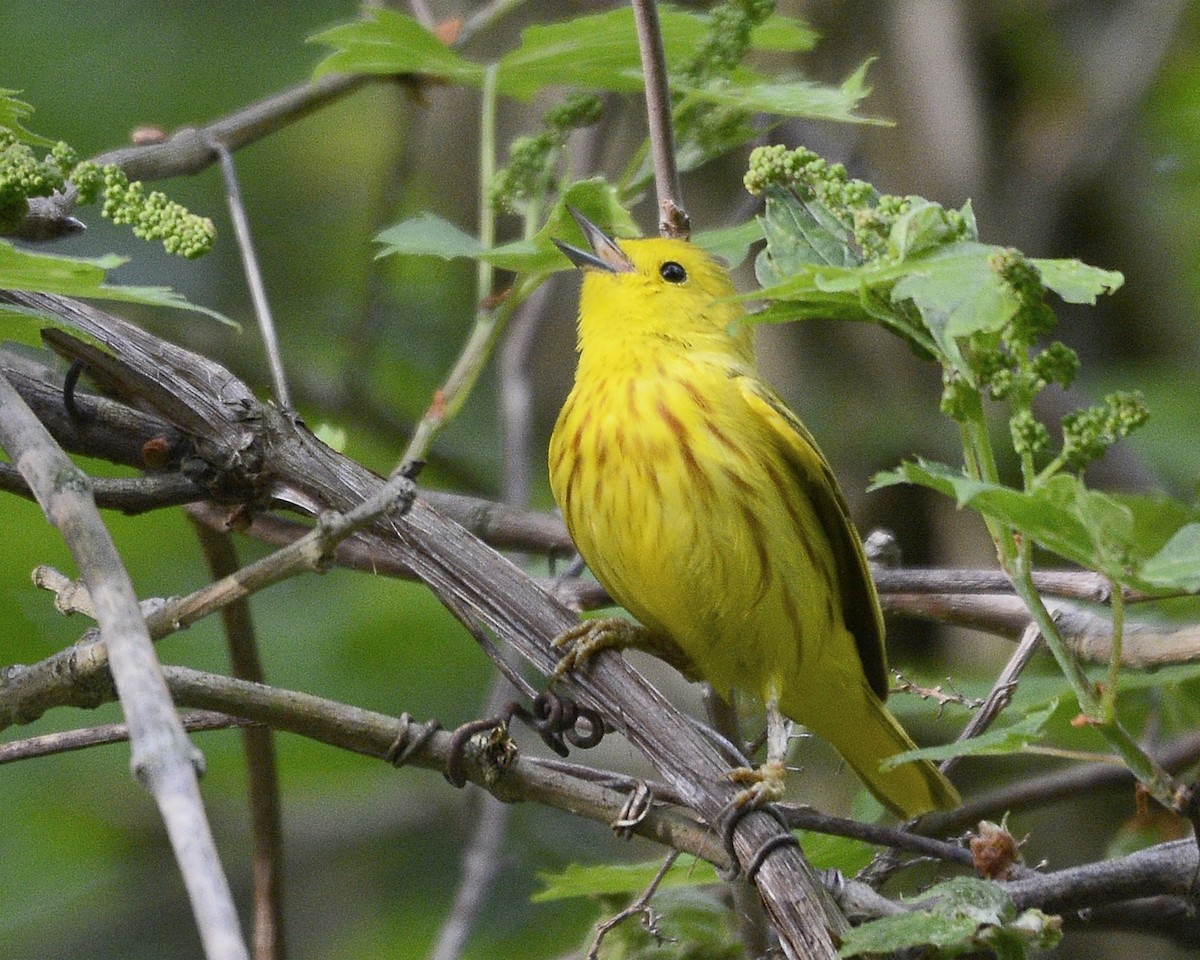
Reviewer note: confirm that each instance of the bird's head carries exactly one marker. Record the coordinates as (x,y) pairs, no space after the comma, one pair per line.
(666,289)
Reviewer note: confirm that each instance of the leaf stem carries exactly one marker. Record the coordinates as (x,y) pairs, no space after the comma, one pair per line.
(1151,775)
(487,172)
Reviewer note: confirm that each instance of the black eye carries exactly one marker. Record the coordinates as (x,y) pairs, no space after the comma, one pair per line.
(672,272)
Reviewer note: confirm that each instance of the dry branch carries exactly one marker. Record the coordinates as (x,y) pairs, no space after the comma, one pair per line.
(274,460)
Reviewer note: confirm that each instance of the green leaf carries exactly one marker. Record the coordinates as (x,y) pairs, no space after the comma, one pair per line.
(388,42)
(1080,525)
(599,52)
(783,35)
(1177,565)
(578,880)
(1077,282)
(799,235)
(788,98)
(957,293)
(428,235)
(432,236)
(12,114)
(952,915)
(888,934)
(79,277)
(731,244)
(1006,740)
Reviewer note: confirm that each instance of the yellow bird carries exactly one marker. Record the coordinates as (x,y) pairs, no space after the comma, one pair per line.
(703,505)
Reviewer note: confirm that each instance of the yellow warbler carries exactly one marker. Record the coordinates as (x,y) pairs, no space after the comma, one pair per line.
(705,508)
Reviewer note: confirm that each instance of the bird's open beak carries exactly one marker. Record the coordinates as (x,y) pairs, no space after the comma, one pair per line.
(605,255)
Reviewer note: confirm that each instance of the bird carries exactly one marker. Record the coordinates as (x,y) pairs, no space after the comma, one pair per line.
(705,508)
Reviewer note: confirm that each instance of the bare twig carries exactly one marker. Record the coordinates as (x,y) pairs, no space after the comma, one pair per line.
(639,906)
(1002,691)
(1044,788)
(50,744)
(162,757)
(672,217)
(254,279)
(258,745)
(481,856)
(1164,868)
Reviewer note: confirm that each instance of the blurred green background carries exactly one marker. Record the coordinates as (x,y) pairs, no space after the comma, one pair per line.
(1072,127)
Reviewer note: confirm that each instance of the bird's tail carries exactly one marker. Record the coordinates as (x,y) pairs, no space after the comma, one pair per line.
(863,731)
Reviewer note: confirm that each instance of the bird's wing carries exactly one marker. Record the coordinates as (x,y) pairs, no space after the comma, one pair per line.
(860,604)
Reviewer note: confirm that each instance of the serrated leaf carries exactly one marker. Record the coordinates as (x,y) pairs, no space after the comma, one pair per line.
(950,915)
(599,51)
(921,229)
(589,880)
(83,277)
(889,934)
(428,235)
(1063,516)
(957,294)
(388,42)
(800,235)
(1177,565)
(789,98)
(432,236)
(13,113)
(1077,282)
(1006,740)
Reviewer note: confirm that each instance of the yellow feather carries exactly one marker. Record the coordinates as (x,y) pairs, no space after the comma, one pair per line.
(705,508)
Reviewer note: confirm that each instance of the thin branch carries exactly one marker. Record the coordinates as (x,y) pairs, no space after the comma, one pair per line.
(254,279)
(258,745)
(130,495)
(189,150)
(162,757)
(50,744)
(1165,868)
(480,860)
(672,217)
(1043,788)
(374,734)
(639,905)
(1002,691)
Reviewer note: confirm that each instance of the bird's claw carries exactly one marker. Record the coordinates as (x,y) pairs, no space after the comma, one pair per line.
(587,638)
(765,784)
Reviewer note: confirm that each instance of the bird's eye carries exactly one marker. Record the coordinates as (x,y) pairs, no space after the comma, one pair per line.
(672,272)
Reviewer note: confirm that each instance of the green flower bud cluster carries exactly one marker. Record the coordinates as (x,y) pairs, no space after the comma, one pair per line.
(727,40)
(24,175)
(155,217)
(1029,435)
(868,216)
(1003,364)
(800,170)
(1088,433)
(531,159)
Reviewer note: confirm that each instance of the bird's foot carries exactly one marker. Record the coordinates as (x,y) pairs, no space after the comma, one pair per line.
(765,784)
(589,637)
